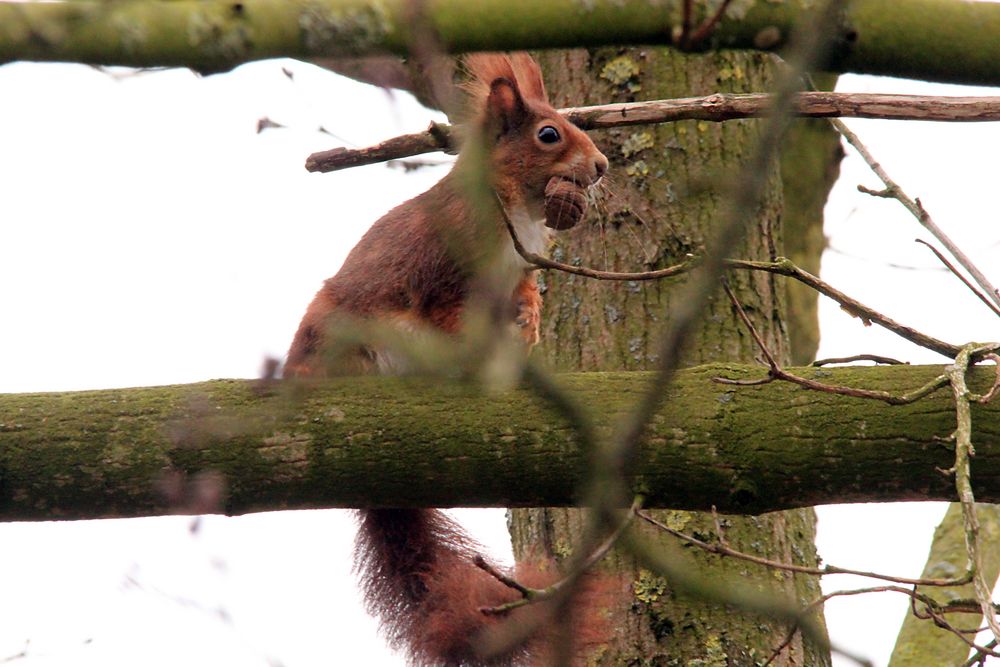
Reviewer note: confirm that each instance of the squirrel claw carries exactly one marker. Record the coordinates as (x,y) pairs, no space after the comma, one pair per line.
(528,321)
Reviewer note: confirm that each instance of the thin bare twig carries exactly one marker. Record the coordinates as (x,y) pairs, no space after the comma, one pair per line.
(687,39)
(781,266)
(958,274)
(934,611)
(438,137)
(877,358)
(546,263)
(853,307)
(781,647)
(995,389)
(722,549)
(509,582)
(23,653)
(533,595)
(914,206)
(714,108)
(777,373)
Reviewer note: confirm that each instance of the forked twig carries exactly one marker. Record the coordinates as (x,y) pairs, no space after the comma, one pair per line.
(527,593)
(775,371)
(533,595)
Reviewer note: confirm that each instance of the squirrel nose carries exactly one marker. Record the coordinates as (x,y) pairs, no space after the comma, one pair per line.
(600,166)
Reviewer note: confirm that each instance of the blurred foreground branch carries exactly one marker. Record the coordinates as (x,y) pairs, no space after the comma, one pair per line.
(411,442)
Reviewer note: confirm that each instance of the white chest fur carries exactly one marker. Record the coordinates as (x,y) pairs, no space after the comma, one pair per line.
(531,232)
(534,237)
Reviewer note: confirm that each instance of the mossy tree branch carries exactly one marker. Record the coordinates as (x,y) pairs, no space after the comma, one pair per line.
(407,442)
(939,40)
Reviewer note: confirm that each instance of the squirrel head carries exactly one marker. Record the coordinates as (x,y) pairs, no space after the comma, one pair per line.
(526,141)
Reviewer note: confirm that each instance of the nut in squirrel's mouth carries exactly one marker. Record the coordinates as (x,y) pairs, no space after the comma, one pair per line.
(565,202)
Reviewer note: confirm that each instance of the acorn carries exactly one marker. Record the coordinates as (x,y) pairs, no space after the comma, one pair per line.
(565,203)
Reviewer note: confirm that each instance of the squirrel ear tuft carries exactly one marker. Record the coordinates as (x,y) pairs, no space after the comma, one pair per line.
(504,107)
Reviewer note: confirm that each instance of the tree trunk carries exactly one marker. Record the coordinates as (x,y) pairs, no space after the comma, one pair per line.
(810,165)
(665,188)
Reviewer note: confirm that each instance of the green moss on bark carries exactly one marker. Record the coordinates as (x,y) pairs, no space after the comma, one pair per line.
(409,442)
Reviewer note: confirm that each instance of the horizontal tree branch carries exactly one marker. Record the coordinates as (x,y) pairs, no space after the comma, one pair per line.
(716,108)
(373,441)
(940,40)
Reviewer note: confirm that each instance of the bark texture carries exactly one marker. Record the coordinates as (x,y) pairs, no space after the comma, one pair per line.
(663,197)
(394,442)
(941,40)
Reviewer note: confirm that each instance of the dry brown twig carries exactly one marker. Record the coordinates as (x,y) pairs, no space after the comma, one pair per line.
(979,657)
(713,108)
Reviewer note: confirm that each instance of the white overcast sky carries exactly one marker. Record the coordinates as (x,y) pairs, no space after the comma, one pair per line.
(149,236)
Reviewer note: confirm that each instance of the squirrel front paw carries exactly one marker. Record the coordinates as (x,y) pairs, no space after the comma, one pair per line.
(527,307)
(528,321)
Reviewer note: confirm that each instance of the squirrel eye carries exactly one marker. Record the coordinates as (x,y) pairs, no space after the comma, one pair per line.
(548,135)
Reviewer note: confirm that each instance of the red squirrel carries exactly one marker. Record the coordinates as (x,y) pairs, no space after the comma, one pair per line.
(417,567)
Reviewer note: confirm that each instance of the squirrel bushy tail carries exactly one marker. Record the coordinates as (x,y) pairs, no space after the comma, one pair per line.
(419,577)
